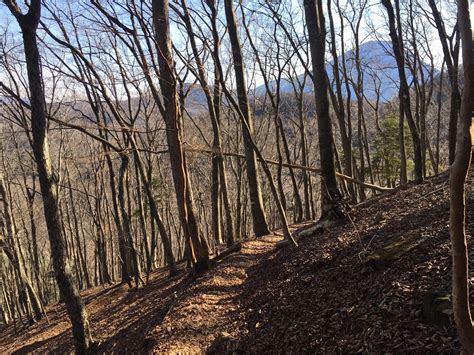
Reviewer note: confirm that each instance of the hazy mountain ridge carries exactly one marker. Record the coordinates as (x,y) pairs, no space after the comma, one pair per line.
(379,69)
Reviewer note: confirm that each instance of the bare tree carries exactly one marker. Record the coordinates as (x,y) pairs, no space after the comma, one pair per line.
(197,244)
(29,23)
(7,244)
(450,45)
(219,178)
(331,198)
(260,226)
(458,174)
(395,28)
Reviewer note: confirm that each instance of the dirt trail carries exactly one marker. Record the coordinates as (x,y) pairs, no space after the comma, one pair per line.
(182,314)
(210,307)
(322,297)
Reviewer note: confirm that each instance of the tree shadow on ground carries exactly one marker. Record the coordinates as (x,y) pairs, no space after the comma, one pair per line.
(318,297)
(34,347)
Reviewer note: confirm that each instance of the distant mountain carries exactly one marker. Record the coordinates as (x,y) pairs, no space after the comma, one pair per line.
(5,100)
(379,71)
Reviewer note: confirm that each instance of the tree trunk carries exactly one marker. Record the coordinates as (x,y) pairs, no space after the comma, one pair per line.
(451,54)
(260,226)
(8,246)
(394,22)
(39,125)
(219,177)
(338,104)
(330,195)
(459,171)
(198,247)
(401,141)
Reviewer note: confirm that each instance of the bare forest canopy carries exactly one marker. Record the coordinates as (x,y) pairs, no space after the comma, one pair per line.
(139,134)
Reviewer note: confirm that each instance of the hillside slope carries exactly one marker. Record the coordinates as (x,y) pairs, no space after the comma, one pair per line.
(322,297)
(365,286)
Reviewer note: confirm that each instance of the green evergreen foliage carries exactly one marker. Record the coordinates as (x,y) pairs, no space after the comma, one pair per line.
(386,156)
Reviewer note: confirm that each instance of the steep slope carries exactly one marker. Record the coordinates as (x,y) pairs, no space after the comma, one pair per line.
(322,297)
(368,285)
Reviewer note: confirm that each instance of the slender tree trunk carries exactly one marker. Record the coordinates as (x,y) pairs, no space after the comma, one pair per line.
(459,171)
(451,54)
(260,226)
(401,141)
(397,44)
(438,121)
(198,248)
(39,125)
(34,238)
(155,214)
(218,178)
(76,233)
(8,246)
(330,196)
(130,266)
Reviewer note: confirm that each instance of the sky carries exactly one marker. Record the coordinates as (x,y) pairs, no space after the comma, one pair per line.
(7,18)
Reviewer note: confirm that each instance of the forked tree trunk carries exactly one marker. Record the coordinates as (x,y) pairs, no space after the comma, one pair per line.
(339,107)
(451,54)
(39,126)
(459,171)
(398,51)
(198,247)
(219,176)
(330,195)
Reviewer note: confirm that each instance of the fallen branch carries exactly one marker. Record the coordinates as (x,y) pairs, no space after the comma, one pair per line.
(292,166)
(197,150)
(364,184)
(234,248)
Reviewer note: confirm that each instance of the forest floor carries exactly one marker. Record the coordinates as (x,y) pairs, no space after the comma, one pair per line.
(332,294)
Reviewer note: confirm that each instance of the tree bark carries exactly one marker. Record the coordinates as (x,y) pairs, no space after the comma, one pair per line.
(219,176)
(459,171)
(198,247)
(397,44)
(8,247)
(451,54)
(39,125)
(338,104)
(260,226)
(330,196)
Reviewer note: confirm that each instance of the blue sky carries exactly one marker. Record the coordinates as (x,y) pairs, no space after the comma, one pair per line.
(7,18)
